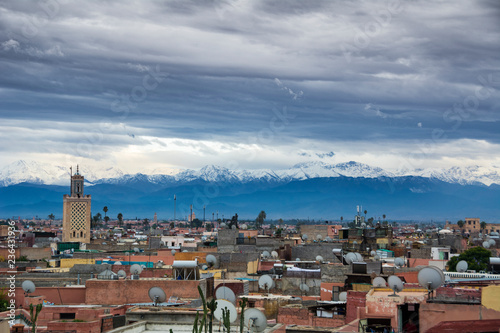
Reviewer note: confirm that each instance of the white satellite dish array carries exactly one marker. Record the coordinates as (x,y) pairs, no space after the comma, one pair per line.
(28,287)
(431,278)
(353,257)
(266,282)
(395,284)
(255,320)
(157,295)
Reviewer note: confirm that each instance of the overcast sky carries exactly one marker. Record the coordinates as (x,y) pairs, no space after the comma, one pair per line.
(250,84)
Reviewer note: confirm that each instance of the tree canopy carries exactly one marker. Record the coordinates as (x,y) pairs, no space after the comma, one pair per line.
(477,259)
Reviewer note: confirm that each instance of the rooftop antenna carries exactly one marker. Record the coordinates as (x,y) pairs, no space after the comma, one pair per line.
(157,295)
(255,320)
(175,201)
(395,284)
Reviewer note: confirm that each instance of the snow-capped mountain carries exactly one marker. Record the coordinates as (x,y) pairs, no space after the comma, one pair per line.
(42,173)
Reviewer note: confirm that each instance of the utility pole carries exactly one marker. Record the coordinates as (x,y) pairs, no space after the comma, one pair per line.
(175,201)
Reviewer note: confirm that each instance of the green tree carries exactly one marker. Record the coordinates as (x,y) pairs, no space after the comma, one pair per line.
(145,222)
(4,299)
(208,226)
(477,259)
(383,217)
(260,218)
(34,311)
(106,219)
(483,225)
(105,210)
(365,213)
(460,224)
(51,217)
(172,225)
(120,219)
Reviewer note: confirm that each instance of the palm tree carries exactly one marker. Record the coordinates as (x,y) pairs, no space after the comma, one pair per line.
(120,219)
(260,219)
(383,217)
(51,217)
(460,224)
(483,225)
(341,219)
(105,210)
(365,213)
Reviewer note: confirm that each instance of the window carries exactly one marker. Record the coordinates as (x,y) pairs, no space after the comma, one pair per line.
(70,315)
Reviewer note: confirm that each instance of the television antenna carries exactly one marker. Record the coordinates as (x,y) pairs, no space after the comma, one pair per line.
(157,295)
(255,320)
(265,282)
(395,284)
(379,282)
(223,304)
(225,293)
(28,287)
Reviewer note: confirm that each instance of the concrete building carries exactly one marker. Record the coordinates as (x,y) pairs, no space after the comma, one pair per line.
(76,212)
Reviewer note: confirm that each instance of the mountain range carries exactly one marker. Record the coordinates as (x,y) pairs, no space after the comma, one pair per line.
(312,189)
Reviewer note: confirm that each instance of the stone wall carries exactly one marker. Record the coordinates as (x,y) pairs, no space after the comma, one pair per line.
(334,273)
(301,316)
(309,251)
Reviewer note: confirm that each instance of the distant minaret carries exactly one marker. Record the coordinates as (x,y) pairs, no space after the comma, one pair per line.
(76,211)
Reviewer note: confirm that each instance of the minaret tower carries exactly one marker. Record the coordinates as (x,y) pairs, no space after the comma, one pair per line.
(76,211)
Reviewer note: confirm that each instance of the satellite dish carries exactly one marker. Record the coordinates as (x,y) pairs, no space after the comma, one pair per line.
(136,250)
(395,284)
(399,262)
(28,286)
(274,254)
(173,252)
(211,260)
(379,282)
(373,253)
(222,225)
(265,255)
(225,293)
(359,257)
(35,245)
(265,282)
(117,263)
(462,266)
(350,257)
(430,278)
(376,258)
(319,259)
(57,239)
(157,295)
(486,245)
(304,287)
(136,269)
(491,241)
(319,237)
(223,304)
(244,227)
(51,239)
(304,237)
(204,267)
(255,320)
(121,273)
(343,296)
(297,259)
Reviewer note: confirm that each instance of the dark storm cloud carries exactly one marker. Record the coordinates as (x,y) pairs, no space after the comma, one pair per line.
(363,70)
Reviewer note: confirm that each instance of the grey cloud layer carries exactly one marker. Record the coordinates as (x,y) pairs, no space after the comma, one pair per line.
(367,70)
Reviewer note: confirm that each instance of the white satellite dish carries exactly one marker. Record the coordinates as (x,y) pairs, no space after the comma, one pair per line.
(173,252)
(486,245)
(157,295)
(395,284)
(204,267)
(350,258)
(376,258)
(359,257)
(117,263)
(304,287)
(28,287)
(211,260)
(265,255)
(343,296)
(255,320)
(297,259)
(244,227)
(225,293)
(319,237)
(462,266)
(328,239)
(265,282)
(136,250)
(430,278)
(274,254)
(121,273)
(135,269)
(379,282)
(319,258)
(373,253)
(491,241)
(399,262)
(223,304)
